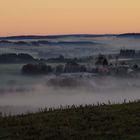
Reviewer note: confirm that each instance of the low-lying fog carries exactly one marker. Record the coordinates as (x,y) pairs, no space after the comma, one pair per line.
(70,46)
(22,94)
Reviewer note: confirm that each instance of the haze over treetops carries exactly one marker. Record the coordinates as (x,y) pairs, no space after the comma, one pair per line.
(46,17)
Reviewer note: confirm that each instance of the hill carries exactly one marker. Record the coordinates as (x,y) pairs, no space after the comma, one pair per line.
(101,122)
(52,36)
(135,35)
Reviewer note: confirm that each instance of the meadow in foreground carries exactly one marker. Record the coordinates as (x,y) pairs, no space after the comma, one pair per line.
(101,122)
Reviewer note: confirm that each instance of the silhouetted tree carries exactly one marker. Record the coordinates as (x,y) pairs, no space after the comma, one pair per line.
(105,62)
(59,68)
(83,68)
(135,67)
(101,60)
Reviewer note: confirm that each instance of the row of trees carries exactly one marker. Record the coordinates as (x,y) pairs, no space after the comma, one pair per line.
(46,69)
(36,69)
(13,57)
(129,53)
(72,67)
(69,67)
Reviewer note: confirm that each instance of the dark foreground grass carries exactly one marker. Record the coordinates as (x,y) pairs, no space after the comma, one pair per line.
(103,122)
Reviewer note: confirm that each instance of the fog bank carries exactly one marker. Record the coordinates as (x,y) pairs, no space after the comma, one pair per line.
(18,98)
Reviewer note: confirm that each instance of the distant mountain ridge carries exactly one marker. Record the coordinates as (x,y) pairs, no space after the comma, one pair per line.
(45,42)
(129,35)
(53,36)
(22,37)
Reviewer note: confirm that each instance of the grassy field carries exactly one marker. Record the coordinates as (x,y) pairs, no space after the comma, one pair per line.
(102,122)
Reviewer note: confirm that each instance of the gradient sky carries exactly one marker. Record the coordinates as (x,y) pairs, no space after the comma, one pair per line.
(43,17)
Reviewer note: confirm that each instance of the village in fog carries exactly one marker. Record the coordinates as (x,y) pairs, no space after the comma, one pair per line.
(61,70)
(70,70)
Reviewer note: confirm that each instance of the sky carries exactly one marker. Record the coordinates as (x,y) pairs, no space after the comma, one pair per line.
(48,17)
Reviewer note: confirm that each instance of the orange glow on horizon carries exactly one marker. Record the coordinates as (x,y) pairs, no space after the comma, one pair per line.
(43,17)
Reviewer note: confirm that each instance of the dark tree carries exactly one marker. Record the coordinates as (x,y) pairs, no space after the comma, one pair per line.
(101,60)
(105,62)
(135,67)
(37,69)
(59,68)
(83,68)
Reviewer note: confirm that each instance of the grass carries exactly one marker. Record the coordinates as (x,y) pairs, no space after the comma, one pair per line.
(101,122)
